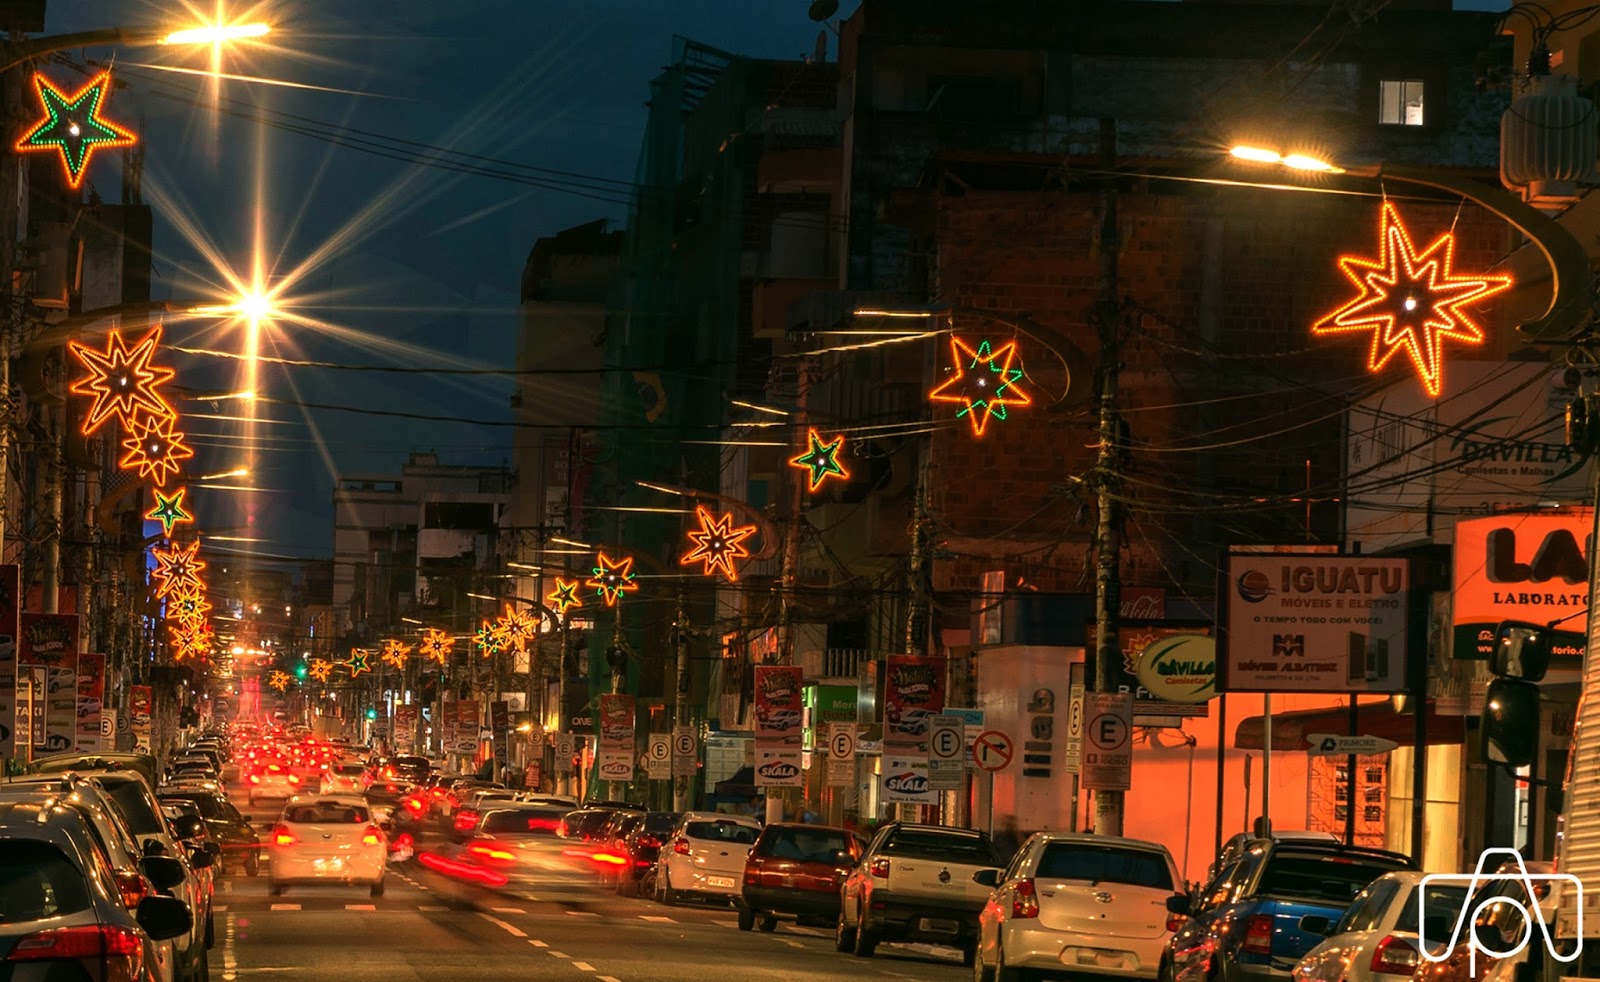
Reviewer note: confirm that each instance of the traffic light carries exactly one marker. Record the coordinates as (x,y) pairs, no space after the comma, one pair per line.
(372,714)
(301,671)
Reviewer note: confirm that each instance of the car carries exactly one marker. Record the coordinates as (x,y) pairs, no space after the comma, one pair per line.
(518,847)
(269,780)
(472,808)
(705,857)
(241,846)
(1380,934)
(1092,904)
(143,764)
(584,824)
(66,913)
(795,870)
(611,850)
(915,883)
(1251,922)
(641,847)
(344,777)
(326,839)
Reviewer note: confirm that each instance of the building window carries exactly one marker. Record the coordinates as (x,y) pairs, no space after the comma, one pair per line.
(1400,103)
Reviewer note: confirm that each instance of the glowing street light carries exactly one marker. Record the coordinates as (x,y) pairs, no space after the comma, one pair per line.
(216,34)
(1294,161)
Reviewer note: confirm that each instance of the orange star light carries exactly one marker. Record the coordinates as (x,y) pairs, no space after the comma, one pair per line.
(436,645)
(154,449)
(612,578)
(395,653)
(517,628)
(1410,301)
(72,126)
(177,567)
(983,381)
(122,381)
(717,544)
(320,669)
(565,595)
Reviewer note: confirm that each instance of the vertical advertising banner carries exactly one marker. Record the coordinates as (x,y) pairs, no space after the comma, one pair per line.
(913,693)
(139,705)
(405,729)
(780,705)
(10,727)
(500,724)
(616,737)
(466,732)
(91,700)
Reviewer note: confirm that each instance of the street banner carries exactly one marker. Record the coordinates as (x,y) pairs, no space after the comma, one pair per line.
(10,727)
(617,723)
(780,705)
(48,639)
(405,729)
(1304,622)
(778,767)
(91,696)
(913,693)
(1520,567)
(139,706)
(30,709)
(466,730)
(500,723)
(905,781)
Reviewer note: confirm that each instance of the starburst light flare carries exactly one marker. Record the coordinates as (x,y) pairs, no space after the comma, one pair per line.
(177,567)
(121,380)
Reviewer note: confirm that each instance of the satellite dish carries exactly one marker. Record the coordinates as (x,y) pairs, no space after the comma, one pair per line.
(823,9)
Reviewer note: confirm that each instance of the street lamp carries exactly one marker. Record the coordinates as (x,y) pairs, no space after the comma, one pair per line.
(27,49)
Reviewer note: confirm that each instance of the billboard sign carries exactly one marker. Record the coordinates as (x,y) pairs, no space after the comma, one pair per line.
(1524,566)
(780,704)
(913,693)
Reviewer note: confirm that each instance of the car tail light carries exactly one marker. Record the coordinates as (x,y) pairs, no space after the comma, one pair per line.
(649,842)
(416,805)
(281,836)
(490,852)
(880,867)
(1395,956)
(680,846)
(132,887)
(752,876)
(1024,900)
(465,819)
(1175,923)
(404,841)
(294,779)
(89,941)
(1258,935)
(255,779)
(373,836)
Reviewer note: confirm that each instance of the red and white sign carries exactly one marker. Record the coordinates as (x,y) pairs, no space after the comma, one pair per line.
(993,750)
(779,705)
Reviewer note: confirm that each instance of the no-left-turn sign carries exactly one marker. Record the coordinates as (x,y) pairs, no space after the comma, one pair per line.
(993,750)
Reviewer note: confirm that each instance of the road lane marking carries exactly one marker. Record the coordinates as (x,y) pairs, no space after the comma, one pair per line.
(582,913)
(511,929)
(583,966)
(791,943)
(537,944)
(230,959)
(608,978)
(432,907)
(360,906)
(285,906)
(559,954)
(657,918)
(508,910)
(726,923)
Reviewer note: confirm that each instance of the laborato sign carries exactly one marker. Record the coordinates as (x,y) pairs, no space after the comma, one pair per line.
(1314,623)
(1180,668)
(1519,567)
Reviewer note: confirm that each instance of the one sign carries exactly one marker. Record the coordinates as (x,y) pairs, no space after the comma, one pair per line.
(993,750)
(1179,668)
(1519,567)
(564,747)
(617,724)
(108,729)
(1314,623)
(1330,745)
(779,704)
(685,751)
(841,773)
(778,767)
(30,706)
(1108,741)
(1074,748)
(658,757)
(947,752)
(913,692)
(1132,638)
(971,721)
(905,781)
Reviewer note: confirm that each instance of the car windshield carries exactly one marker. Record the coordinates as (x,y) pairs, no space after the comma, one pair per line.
(38,881)
(1102,864)
(803,845)
(660,822)
(132,798)
(1331,878)
(207,805)
(944,846)
(717,831)
(1440,905)
(325,813)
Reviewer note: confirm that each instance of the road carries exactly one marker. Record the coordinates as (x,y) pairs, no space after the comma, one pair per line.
(427,927)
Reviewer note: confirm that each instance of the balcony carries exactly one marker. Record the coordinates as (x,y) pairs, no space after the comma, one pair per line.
(833,663)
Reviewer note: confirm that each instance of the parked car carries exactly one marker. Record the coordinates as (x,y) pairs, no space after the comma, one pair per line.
(1379,935)
(584,824)
(66,915)
(326,839)
(241,846)
(1249,923)
(611,851)
(915,883)
(1240,841)
(1092,904)
(795,871)
(100,763)
(641,847)
(705,857)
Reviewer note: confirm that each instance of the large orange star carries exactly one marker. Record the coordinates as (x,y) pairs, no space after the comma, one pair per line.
(177,567)
(982,381)
(121,380)
(612,579)
(718,544)
(154,449)
(1410,301)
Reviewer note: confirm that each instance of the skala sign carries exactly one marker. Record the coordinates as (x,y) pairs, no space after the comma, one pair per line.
(1531,566)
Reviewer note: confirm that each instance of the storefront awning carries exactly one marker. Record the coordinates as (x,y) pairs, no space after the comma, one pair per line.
(1376,719)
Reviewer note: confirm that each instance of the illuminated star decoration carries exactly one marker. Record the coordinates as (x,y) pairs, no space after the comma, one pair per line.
(358,662)
(169,510)
(177,567)
(154,449)
(717,544)
(517,627)
(983,382)
(565,595)
(72,125)
(122,381)
(488,639)
(436,645)
(1410,301)
(190,607)
(822,460)
(320,669)
(395,653)
(279,680)
(612,579)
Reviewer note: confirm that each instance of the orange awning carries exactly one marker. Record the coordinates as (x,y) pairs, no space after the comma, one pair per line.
(1376,719)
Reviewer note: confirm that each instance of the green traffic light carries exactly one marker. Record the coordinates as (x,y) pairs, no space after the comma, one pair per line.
(301,671)
(372,714)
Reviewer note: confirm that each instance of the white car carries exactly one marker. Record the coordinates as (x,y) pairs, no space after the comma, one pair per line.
(1079,903)
(272,781)
(705,856)
(1378,934)
(326,839)
(344,777)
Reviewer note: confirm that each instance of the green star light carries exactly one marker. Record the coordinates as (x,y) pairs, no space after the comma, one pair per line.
(169,511)
(358,662)
(73,126)
(822,460)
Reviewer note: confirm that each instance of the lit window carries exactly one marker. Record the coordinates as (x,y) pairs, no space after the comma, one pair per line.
(1400,103)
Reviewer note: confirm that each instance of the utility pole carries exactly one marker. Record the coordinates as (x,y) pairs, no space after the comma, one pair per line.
(777,798)
(1108,464)
(680,711)
(619,678)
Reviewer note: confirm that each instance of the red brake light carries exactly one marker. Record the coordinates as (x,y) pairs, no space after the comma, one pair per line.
(404,841)
(649,842)
(465,819)
(373,836)
(680,846)
(1395,956)
(490,852)
(132,887)
(91,941)
(1024,901)
(880,867)
(281,836)
(255,779)
(1258,935)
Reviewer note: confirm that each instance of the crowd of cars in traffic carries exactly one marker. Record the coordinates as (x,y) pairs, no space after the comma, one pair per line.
(110,863)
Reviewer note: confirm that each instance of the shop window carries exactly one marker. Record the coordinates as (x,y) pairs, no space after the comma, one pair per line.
(1400,102)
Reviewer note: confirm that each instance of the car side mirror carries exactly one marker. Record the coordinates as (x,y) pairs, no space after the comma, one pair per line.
(987,878)
(164,872)
(1510,724)
(199,858)
(1316,924)
(163,918)
(187,826)
(213,849)
(153,847)
(1178,904)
